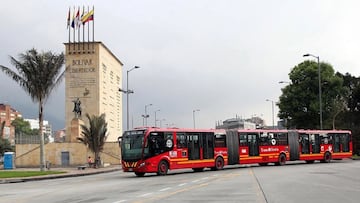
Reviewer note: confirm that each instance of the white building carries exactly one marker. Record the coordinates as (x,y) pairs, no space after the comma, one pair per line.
(34,124)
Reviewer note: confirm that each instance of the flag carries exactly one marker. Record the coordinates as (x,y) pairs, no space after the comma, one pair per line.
(73,20)
(88,17)
(68,20)
(77,19)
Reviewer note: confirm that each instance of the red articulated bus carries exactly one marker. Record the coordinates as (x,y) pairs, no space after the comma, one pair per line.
(157,150)
(278,146)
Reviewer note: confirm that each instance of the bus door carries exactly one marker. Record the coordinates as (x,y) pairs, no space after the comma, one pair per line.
(336,142)
(345,142)
(315,141)
(341,142)
(253,144)
(304,143)
(193,145)
(208,145)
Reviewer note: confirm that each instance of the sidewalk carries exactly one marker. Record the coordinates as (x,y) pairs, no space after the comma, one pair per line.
(70,172)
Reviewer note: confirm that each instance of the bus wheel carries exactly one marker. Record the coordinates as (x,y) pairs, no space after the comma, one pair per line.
(310,161)
(219,163)
(327,157)
(163,168)
(139,174)
(198,169)
(263,164)
(282,160)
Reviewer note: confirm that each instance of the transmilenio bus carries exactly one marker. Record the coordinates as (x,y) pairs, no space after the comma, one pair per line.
(157,150)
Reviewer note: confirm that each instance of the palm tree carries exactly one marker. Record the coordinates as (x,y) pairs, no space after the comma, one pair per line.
(38,74)
(94,135)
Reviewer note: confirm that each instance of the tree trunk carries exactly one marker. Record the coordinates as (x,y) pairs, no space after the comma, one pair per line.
(42,151)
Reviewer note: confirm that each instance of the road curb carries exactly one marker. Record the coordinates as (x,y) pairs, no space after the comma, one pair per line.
(47,177)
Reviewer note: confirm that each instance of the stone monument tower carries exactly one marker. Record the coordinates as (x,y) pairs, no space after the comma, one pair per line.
(92,80)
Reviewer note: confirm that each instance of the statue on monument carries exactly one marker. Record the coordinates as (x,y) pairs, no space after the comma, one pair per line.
(77,108)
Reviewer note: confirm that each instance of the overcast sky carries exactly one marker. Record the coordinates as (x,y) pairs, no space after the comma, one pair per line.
(224,58)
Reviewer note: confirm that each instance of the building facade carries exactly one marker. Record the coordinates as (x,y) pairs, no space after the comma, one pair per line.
(34,124)
(235,123)
(93,77)
(8,114)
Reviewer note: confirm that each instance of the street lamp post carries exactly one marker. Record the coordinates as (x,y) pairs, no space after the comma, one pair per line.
(155,115)
(272,108)
(127,92)
(146,115)
(194,116)
(319,72)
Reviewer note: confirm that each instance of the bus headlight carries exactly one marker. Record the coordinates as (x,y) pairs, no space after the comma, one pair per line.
(142,164)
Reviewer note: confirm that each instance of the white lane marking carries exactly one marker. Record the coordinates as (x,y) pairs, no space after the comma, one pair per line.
(204,178)
(146,194)
(182,184)
(164,189)
(120,201)
(195,181)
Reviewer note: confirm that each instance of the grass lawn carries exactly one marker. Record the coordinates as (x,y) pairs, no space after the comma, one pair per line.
(17,174)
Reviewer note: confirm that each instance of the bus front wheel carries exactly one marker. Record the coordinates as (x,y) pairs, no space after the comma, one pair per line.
(163,168)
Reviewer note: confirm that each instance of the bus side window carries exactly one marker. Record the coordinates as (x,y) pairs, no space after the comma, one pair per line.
(220,140)
(264,139)
(282,139)
(243,140)
(181,140)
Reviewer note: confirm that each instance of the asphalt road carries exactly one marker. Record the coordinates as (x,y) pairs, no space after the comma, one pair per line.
(338,181)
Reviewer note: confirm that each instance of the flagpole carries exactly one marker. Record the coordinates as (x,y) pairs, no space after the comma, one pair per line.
(74,27)
(93,27)
(88,32)
(68,24)
(83,28)
(78,27)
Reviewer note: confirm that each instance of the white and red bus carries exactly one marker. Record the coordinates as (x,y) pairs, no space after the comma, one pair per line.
(157,150)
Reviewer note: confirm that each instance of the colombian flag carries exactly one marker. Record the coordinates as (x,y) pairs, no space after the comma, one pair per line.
(88,17)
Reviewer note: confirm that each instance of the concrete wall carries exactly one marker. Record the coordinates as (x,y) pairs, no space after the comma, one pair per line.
(28,155)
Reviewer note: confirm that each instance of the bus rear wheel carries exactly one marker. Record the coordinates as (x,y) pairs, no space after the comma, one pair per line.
(219,163)
(327,157)
(163,168)
(139,174)
(282,160)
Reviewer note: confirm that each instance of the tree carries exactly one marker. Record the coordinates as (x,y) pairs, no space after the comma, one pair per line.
(21,126)
(299,103)
(5,145)
(94,135)
(350,118)
(38,74)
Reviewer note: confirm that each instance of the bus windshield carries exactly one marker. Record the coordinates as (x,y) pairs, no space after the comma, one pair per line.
(131,145)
